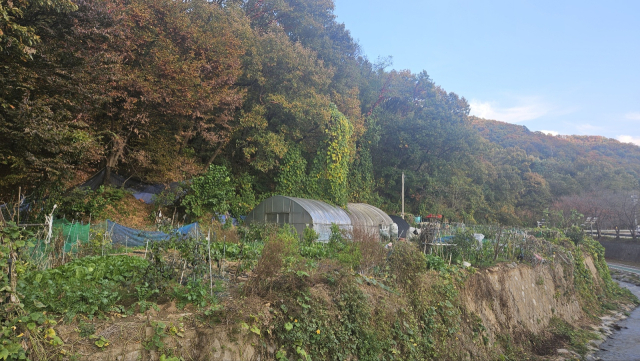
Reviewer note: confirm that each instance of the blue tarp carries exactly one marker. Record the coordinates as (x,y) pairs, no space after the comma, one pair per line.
(142,191)
(135,237)
(145,197)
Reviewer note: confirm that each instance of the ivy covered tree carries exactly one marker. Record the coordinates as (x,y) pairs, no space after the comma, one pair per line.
(212,192)
(292,179)
(330,169)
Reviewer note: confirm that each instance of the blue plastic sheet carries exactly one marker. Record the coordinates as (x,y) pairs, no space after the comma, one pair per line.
(145,197)
(135,237)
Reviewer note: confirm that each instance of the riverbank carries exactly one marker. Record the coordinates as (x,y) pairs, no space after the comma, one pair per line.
(509,311)
(622,342)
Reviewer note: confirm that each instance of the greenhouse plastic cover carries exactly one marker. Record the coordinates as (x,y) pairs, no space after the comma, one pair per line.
(135,237)
(323,213)
(366,215)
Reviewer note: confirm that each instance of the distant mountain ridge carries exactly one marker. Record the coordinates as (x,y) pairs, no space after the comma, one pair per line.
(564,147)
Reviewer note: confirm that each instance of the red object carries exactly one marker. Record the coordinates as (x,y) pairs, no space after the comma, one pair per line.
(439,216)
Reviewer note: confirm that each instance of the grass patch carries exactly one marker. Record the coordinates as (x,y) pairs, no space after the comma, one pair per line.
(574,337)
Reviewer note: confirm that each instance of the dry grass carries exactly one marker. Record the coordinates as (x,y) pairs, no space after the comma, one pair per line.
(279,249)
(371,249)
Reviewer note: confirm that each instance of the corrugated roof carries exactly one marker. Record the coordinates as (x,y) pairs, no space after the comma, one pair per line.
(366,215)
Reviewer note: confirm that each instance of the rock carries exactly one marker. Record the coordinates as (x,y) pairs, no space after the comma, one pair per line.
(132,356)
(596,343)
(466,264)
(563,351)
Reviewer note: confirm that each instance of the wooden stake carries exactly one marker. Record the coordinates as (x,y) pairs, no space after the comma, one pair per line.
(210,271)
(19,192)
(183,267)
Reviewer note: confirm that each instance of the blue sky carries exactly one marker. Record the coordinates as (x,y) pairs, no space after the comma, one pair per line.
(566,67)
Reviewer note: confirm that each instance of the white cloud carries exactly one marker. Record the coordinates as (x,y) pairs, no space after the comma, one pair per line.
(527,109)
(633,116)
(629,139)
(550,132)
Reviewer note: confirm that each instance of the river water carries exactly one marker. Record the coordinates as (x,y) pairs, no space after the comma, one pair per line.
(624,345)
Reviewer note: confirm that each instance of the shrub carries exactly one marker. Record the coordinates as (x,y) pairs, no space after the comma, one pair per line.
(280,251)
(435,263)
(309,236)
(406,263)
(211,192)
(575,234)
(372,252)
(82,202)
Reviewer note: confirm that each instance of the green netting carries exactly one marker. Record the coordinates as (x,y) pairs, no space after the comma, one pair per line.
(73,232)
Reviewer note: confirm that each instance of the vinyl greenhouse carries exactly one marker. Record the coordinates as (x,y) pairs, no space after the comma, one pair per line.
(302,213)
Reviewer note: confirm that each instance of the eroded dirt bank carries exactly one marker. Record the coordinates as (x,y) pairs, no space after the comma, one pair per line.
(509,311)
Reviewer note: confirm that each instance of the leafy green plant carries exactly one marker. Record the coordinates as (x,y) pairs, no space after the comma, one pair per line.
(87,285)
(82,202)
(18,325)
(211,192)
(159,333)
(145,291)
(575,234)
(101,341)
(86,329)
(194,292)
(435,263)
(309,236)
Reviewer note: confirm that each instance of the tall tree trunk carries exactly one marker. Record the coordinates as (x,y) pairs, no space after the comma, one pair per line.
(215,154)
(117,150)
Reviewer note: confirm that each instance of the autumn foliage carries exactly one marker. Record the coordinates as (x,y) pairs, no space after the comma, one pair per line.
(277,92)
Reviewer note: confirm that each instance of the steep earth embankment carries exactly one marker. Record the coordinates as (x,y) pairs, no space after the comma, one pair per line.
(518,310)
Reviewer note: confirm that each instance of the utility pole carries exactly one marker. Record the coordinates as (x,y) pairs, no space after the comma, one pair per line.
(402,195)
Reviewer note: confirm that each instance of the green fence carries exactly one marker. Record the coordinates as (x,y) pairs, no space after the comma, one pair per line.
(73,232)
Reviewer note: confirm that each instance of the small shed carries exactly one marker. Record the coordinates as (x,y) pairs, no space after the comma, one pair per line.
(371,219)
(300,213)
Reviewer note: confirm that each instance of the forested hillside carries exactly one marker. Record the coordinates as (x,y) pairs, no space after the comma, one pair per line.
(279,94)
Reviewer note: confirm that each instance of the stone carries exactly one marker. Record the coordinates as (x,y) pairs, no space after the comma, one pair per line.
(596,343)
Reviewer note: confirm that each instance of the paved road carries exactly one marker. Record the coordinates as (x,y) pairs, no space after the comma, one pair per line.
(623,267)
